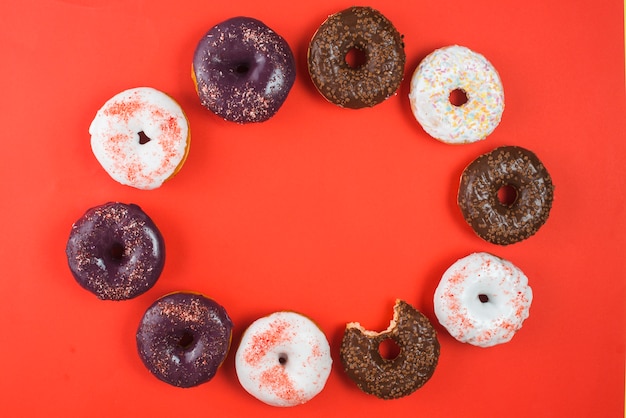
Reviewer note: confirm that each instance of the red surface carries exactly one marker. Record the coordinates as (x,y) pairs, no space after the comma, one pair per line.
(330,212)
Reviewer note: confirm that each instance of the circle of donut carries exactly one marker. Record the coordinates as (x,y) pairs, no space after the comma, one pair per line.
(391,378)
(243,70)
(183,338)
(140,137)
(283,359)
(372,37)
(450,70)
(115,251)
(505,168)
(483,300)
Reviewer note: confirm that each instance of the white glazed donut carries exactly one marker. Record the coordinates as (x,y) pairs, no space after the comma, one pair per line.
(283,359)
(483,300)
(441,73)
(140,137)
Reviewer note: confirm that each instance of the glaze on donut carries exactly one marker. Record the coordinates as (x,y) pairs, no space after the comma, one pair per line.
(377,78)
(140,137)
(483,300)
(440,74)
(400,376)
(243,70)
(505,223)
(183,338)
(115,251)
(283,359)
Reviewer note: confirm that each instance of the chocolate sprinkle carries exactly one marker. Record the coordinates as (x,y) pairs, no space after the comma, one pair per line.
(372,82)
(183,338)
(497,222)
(402,375)
(243,70)
(115,251)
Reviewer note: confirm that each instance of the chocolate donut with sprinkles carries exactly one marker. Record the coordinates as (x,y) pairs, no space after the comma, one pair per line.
(115,251)
(183,338)
(378,51)
(243,70)
(506,195)
(401,375)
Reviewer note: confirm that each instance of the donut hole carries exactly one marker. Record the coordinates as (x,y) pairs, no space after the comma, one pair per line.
(389,349)
(116,252)
(355,57)
(458,97)
(241,68)
(186,340)
(507,195)
(483,298)
(282,359)
(143,138)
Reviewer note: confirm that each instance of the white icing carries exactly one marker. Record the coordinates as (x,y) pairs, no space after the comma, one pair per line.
(448,69)
(283,359)
(115,137)
(468,319)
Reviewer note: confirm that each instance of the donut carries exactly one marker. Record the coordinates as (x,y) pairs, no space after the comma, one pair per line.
(183,338)
(283,359)
(379,52)
(243,70)
(483,300)
(140,137)
(391,378)
(115,251)
(519,173)
(456,71)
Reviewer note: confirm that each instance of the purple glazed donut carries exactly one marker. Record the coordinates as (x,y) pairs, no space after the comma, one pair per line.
(115,251)
(183,338)
(243,70)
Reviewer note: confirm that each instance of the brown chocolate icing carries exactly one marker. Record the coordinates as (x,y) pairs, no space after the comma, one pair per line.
(376,78)
(504,223)
(402,375)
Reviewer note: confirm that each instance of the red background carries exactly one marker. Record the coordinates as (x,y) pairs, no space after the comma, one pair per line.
(327,211)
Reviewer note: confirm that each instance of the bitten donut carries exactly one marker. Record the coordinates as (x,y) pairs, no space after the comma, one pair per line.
(115,251)
(457,69)
(243,70)
(283,359)
(505,222)
(483,300)
(183,338)
(369,34)
(391,378)
(140,137)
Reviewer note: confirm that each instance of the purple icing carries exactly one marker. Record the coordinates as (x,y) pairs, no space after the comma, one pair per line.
(243,70)
(115,251)
(183,338)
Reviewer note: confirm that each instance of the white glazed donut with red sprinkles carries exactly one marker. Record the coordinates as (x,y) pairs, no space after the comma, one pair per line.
(140,137)
(283,359)
(457,69)
(483,300)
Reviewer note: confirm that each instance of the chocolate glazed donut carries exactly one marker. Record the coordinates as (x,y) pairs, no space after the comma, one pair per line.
(512,169)
(183,338)
(243,70)
(371,36)
(115,251)
(399,376)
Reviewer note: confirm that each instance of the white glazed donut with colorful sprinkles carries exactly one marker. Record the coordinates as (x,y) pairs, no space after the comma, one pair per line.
(483,300)
(457,69)
(140,137)
(283,359)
